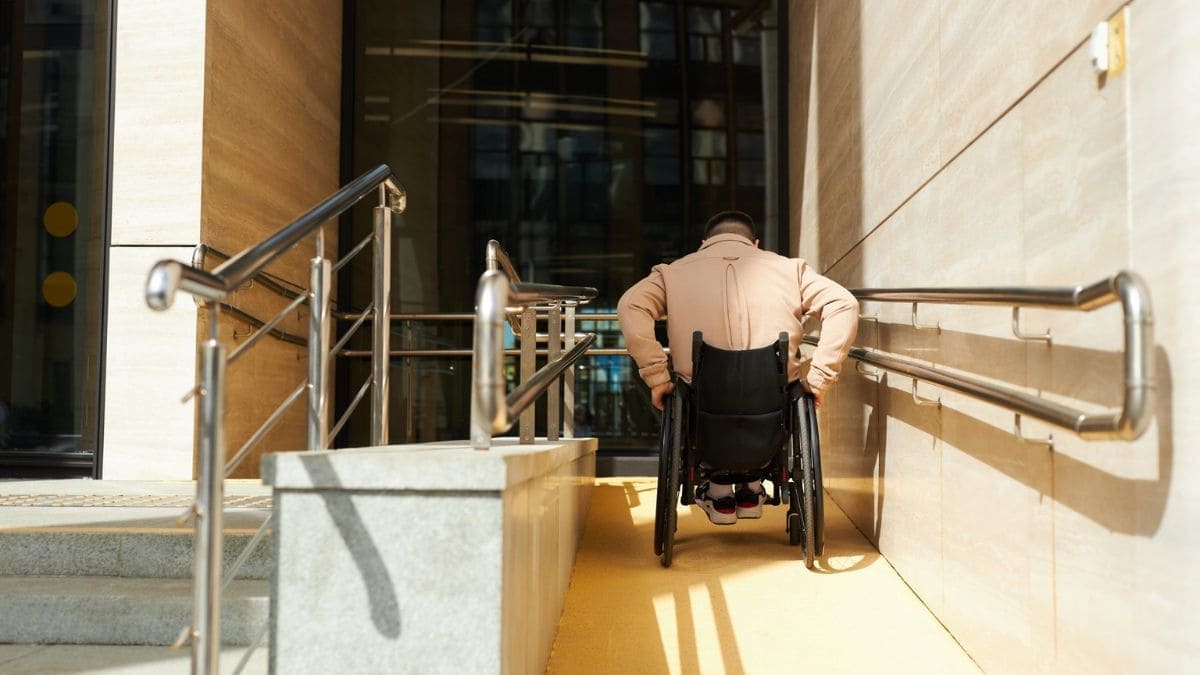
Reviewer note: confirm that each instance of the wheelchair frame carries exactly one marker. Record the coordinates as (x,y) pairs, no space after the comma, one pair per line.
(797,466)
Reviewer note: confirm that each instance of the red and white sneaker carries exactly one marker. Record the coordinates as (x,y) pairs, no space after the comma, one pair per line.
(748,502)
(720,510)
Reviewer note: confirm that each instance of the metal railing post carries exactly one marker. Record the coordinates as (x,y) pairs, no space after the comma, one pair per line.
(320,281)
(410,387)
(381,340)
(569,375)
(488,408)
(527,366)
(553,351)
(206,620)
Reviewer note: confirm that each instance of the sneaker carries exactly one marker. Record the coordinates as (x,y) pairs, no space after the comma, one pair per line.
(749,503)
(720,510)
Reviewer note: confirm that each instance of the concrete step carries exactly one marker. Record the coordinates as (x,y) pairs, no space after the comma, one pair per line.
(120,611)
(143,551)
(30,659)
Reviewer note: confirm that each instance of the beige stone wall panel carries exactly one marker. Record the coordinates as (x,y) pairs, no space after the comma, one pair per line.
(1164,142)
(839,112)
(899,104)
(158,105)
(992,52)
(1076,560)
(151,365)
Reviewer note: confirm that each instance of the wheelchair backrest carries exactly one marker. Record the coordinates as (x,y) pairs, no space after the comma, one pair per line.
(740,401)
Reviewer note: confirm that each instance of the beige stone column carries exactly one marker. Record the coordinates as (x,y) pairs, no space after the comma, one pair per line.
(226,127)
(158,104)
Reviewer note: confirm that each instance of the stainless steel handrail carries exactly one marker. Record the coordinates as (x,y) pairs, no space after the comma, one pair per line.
(520,398)
(1060,297)
(271,282)
(498,294)
(451,317)
(1126,423)
(495,258)
(451,352)
(168,277)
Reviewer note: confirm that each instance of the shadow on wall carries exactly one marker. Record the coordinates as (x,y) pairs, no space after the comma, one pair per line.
(1099,371)
(377,583)
(828,42)
(1097,489)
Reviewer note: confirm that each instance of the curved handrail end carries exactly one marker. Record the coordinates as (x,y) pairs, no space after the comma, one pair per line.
(162,283)
(168,277)
(397,196)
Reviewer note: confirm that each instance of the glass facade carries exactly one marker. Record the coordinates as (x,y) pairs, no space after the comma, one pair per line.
(54,89)
(591,138)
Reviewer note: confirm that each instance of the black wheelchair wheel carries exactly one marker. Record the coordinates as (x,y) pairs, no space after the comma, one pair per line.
(795,522)
(818,483)
(807,506)
(674,471)
(664,467)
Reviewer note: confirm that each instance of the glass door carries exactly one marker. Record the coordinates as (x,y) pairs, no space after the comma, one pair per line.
(55,70)
(591,138)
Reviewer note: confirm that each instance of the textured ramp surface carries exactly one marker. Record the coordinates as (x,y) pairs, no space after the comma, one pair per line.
(738,599)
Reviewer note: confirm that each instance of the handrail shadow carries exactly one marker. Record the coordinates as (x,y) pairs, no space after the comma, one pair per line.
(690,600)
(995,447)
(377,582)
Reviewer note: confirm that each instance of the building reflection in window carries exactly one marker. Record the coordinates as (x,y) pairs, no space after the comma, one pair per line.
(592,138)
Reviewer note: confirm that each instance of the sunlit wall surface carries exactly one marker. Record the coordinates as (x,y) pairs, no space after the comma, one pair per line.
(54,76)
(591,138)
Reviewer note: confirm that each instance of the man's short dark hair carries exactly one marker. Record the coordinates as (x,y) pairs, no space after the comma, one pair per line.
(731,222)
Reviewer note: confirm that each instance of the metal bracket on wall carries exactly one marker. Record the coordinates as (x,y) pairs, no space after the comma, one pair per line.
(873,375)
(937,325)
(924,401)
(1016,329)
(1048,440)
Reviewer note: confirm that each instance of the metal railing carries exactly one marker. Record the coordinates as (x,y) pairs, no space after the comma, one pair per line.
(1126,423)
(168,277)
(502,295)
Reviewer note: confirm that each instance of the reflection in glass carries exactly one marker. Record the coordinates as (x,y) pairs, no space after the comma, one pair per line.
(657,25)
(592,140)
(704,34)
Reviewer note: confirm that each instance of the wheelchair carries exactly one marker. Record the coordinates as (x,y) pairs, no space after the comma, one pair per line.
(738,421)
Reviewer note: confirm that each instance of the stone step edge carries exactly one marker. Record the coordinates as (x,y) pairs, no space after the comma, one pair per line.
(119,554)
(120,611)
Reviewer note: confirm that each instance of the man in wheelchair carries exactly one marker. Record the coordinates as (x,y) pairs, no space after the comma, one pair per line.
(736,320)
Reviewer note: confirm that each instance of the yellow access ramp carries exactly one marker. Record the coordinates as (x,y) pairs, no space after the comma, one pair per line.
(738,599)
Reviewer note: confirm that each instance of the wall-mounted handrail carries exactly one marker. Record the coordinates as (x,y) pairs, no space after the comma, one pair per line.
(1058,297)
(1127,423)
(169,276)
(276,284)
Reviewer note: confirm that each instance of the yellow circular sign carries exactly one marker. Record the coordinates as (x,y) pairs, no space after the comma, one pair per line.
(60,219)
(59,289)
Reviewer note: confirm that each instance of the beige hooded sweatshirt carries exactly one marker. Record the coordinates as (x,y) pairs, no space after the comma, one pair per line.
(740,297)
